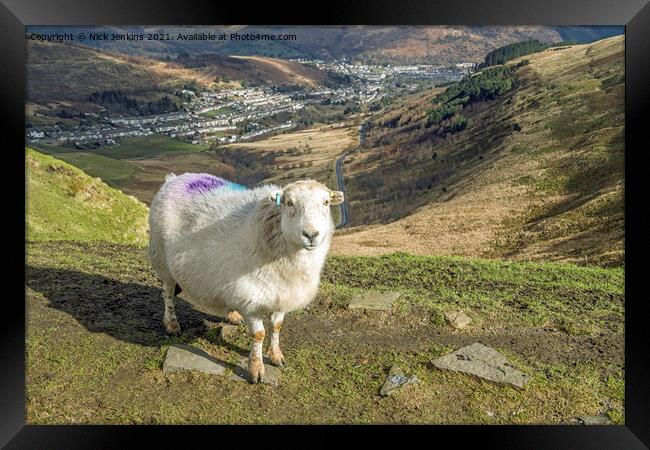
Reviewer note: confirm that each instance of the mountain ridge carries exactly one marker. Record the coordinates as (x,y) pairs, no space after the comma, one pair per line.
(72,72)
(378,44)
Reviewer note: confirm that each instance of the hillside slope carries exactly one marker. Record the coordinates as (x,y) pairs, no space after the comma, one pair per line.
(258,70)
(539,175)
(63,203)
(58,72)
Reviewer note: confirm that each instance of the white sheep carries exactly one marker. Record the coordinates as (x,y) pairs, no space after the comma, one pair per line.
(232,250)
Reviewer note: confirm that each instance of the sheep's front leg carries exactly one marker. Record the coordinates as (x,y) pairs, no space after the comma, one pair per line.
(275,354)
(255,362)
(169,319)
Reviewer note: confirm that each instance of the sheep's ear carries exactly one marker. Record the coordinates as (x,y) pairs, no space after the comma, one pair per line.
(276,197)
(336,197)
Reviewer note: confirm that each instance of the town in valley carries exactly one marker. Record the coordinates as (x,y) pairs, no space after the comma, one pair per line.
(244,113)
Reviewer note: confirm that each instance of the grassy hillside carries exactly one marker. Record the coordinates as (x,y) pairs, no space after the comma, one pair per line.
(133,148)
(306,153)
(534,171)
(258,70)
(96,344)
(63,203)
(109,170)
(138,165)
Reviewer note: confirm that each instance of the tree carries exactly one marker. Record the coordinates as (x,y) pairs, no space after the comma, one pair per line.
(511,51)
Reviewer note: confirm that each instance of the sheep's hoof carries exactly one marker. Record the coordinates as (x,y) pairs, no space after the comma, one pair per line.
(235,318)
(256,369)
(172,327)
(276,357)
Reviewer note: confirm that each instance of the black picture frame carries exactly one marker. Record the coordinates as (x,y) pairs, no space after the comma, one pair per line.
(633,14)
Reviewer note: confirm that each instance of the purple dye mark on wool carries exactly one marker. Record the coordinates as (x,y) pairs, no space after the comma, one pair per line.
(204,183)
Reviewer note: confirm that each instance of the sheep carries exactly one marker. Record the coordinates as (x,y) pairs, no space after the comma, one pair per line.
(244,254)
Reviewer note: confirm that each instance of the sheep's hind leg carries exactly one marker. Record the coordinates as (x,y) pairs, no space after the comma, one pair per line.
(274,352)
(235,318)
(170,321)
(255,362)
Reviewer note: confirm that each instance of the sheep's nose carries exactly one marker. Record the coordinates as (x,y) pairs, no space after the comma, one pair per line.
(310,236)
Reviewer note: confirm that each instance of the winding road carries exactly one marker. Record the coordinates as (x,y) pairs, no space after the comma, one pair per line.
(345,208)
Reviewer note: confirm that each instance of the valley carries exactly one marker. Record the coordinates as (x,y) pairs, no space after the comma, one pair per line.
(504,179)
(538,175)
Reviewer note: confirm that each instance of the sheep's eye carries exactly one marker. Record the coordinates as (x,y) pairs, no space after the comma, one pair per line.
(326,203)
(289,203)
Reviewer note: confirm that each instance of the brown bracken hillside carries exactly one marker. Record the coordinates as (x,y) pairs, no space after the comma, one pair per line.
(537,172)
(68,72)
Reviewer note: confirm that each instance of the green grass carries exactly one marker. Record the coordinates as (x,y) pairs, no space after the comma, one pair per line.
(138,165)
(522,294)
(88,362)
(132,147)
(48,121)
(108,169)
(65,203)
(218,112)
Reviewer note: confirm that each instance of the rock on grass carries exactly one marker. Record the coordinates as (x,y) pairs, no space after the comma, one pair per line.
(227,331)
(396,378)
(457,319)
(595,420)
(185,357)
(483,362)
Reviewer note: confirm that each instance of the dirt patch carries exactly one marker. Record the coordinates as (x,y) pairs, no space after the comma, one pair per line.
(358,332)
(133,312)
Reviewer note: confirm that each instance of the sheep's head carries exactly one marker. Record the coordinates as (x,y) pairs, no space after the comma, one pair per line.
(305,216)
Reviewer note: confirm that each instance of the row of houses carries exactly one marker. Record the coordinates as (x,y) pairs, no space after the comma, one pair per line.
(93,135)
(256,133)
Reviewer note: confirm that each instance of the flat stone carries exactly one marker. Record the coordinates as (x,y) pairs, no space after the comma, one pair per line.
(185,357)
(241,373)
(381,301)
(457,319)
(396,378)
(595,420)
(227,331)
(483,362)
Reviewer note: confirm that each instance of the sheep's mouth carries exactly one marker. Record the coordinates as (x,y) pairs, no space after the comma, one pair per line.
(310,247)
